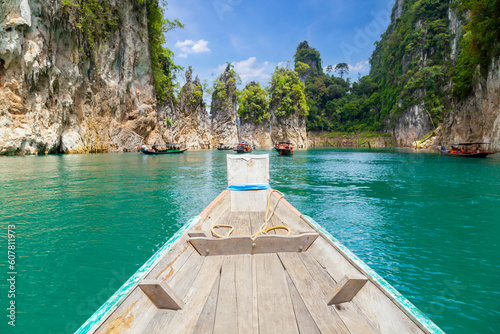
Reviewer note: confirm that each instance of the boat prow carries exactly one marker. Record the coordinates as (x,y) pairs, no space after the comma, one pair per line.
(251,263)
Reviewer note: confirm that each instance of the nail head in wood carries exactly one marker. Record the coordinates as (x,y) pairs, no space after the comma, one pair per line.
(161,295)
(347,288)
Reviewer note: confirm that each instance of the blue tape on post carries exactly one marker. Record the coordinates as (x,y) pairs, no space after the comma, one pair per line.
(243,187)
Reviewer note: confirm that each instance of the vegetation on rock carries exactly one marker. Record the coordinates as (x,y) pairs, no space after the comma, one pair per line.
(97,20)
(225,91)
(254,104)
(287,93)
(411,63)
(479,44)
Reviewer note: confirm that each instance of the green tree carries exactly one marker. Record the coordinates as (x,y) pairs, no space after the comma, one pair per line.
(341,69)
(287,93)
(253,103)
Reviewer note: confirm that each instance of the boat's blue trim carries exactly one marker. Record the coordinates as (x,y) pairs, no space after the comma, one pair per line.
(244,187)
(427,323)
(132,282)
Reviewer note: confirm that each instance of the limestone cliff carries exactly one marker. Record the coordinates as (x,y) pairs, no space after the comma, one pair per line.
(258,134)
(186,121)
(477,117)
(58,95)
(416,64)
(289,128)
(224,125)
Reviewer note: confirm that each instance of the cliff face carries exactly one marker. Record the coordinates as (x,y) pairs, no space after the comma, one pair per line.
(289,128)
(414,64)
(56,97)
(256,133)
(224,126)
(476,118)
(187,120)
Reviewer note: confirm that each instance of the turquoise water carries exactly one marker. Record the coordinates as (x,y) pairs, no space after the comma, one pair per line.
(85,223)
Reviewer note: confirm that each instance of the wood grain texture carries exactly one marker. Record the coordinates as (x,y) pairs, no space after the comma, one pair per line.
(275,308)
(226,316)
(312,292)
(185,320)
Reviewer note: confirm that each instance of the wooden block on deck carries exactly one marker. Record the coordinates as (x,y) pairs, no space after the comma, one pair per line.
(283,243)
(161,294)
(347,288)
(260,245)
(197,234)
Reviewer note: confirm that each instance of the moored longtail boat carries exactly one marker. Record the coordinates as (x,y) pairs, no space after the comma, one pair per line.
(251,263)
(470,150)
(284,148)
(162,148)
(243,147)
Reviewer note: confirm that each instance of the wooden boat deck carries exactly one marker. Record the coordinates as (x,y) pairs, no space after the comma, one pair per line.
(245,293)
(303,283)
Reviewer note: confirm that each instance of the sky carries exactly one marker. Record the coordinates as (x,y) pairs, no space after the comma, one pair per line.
(256,35)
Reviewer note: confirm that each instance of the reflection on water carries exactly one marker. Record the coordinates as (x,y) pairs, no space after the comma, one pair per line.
(428,224)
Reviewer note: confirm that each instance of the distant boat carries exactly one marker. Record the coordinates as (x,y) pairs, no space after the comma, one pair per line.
(224,147)
(243,147)
(162,148)
(471,150)
(284,148)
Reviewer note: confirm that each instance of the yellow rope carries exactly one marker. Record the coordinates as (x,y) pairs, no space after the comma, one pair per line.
(212,229)
(263,229)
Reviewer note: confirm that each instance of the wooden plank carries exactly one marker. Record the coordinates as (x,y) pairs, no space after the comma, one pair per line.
(226,316)
(275,221)
(386,316)
(255,304)
(244,292)
(185,276)
(195,234)
(246,245)
(347,288)
(305,322)
(185,320)
(247,169)
(241,223)
(159,322)
(161,294)
(283,243)
(205,324)
(256,221)
(334,263)
(252,200)
(128,315)
(275,308)
(224,246)
(312,292)
(170,263)
(354,321)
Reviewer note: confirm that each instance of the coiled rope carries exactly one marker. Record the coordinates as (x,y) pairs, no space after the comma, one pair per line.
(263,228)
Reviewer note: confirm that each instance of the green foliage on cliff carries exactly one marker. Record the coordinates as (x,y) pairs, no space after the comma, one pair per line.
(411,64)
(254,104)
(96,19)
(287,93)
(308,55)
(162,59)
(225,91)
(336,104)
(480,42)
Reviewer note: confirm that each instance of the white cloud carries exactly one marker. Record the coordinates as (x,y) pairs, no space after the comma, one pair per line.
(190,46)
(361,66)
(250,69)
